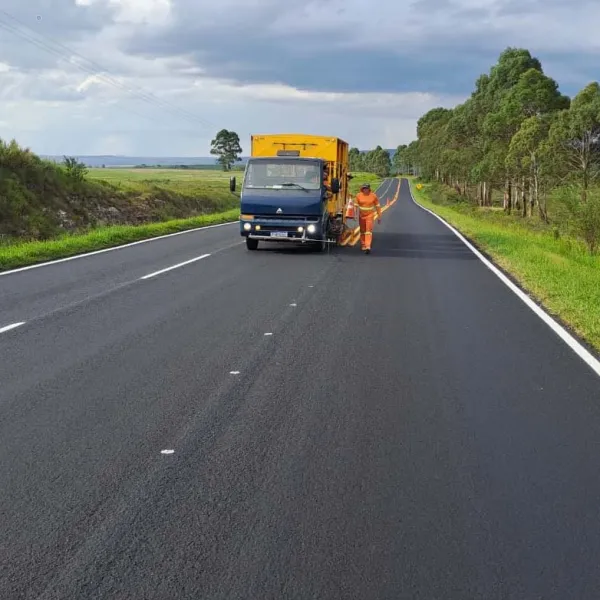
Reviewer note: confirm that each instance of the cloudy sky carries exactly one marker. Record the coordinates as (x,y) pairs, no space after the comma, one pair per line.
(160,77)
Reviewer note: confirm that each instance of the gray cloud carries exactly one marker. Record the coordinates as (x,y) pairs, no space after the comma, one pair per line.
(242,48)
(437,45)
(57,17)
(520,7)
(440,46)
(29,27)
(207,56)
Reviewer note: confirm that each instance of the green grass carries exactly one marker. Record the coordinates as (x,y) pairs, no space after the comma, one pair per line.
(196,183)
(360,178)
(558,273)
(23,254)
(184,190)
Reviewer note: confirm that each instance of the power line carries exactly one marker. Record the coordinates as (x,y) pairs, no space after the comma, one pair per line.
(99,71)
(144,96)
(35,42)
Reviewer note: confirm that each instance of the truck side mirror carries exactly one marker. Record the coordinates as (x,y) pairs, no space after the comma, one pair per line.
(350,176)
(232,184)
(335,185)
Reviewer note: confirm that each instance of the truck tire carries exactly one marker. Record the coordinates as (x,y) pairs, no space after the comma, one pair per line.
(320,246)
(251,244)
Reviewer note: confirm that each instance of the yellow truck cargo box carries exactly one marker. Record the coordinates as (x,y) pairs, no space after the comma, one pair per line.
(327,148)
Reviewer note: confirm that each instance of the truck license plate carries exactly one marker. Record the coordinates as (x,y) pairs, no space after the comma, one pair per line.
(279,234)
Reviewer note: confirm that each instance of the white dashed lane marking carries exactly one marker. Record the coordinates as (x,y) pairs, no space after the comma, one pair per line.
(187,262)
(11,327)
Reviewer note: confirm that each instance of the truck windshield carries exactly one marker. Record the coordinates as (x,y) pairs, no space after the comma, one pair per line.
(283,174)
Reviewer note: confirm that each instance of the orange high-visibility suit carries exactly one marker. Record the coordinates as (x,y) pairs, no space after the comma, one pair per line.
(367,203)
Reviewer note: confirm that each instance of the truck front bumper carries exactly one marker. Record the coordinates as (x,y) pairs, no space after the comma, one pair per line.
(283,230)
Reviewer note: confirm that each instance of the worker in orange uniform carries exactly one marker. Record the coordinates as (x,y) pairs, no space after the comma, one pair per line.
(367,203)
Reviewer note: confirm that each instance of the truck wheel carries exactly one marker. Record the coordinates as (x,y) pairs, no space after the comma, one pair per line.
(320,246)
(251,244)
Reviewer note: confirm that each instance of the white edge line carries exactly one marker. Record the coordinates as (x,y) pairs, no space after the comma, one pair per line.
(111,249)
(10,327)
(566,337)
(187,262)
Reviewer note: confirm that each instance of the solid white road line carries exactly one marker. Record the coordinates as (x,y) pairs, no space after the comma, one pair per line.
(10,327)
(558,329)
(113,248)
(187,262)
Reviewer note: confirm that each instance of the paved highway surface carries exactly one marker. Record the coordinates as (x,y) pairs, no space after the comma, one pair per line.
(398,425)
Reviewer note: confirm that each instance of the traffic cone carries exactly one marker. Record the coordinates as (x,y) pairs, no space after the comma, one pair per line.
(350,209)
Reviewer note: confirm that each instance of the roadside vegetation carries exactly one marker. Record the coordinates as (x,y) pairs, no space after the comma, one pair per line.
(28,253)
(377,161)
(41,200)
(516,168)
(50,211)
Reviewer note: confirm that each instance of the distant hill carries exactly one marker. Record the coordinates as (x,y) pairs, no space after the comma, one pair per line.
(136,161)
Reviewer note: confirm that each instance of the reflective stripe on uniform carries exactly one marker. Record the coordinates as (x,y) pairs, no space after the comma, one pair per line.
(367,207)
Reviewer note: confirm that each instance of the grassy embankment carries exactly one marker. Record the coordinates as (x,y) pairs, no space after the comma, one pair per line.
(177,190)
(558,272)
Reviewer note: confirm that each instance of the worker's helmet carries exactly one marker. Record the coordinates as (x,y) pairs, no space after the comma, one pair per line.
(365,186)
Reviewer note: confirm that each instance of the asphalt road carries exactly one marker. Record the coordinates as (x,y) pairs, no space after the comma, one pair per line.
(410,429)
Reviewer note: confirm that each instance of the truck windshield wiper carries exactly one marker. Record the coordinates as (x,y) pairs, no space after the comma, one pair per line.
(290,184)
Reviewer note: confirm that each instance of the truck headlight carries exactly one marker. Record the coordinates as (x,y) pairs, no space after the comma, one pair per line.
(247,226)
(311,229)
(300,229)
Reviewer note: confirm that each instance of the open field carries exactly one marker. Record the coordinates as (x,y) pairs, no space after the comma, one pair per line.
(559,273)
(203,183)
(360,178)
(164,176)
(177,189)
